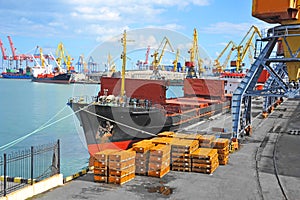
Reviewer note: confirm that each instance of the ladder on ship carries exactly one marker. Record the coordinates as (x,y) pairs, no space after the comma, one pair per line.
(276,86)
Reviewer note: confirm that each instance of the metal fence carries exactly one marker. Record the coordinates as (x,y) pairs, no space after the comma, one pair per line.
(28,166)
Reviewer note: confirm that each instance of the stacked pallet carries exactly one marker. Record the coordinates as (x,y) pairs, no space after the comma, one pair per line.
(159,160)
(180,154)
(162,140)
(222,146)
(142,156)
(166,134)
(205,141)
(101,165)
(205,160)
(121,167)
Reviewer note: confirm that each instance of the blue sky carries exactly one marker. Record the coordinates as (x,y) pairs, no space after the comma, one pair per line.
(82,25)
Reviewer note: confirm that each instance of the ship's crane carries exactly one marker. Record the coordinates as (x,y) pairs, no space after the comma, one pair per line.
(220,68)
(242,48)
(157,59)
(63,56)
(194,55)
(175,62)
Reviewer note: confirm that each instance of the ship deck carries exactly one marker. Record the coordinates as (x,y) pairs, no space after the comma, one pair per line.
(249,174)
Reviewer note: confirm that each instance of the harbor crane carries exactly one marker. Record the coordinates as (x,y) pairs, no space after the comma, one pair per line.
(244,47)
(220,67)
(91,67)
(175,62)
(278,54)
(157,59)
(18,57)
(194,55)
(63,56)
(3,50)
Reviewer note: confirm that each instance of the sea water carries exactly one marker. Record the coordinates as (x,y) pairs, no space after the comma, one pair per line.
(38,113)
(26,106)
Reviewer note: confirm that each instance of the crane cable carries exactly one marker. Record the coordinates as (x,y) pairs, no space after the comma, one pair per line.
(45,125)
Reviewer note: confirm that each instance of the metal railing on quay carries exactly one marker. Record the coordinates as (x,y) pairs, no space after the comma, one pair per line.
(28,166)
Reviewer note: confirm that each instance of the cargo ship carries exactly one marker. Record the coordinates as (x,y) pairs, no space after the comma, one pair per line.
(65,78)
(45,74)
(128,110)
(17,74)
(114,121)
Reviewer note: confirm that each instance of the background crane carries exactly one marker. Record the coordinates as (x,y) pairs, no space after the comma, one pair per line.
(242,48)
(63,56)
(194,55)
(220,68)
(157,59)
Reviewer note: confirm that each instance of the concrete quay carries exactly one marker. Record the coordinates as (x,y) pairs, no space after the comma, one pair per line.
(250,174)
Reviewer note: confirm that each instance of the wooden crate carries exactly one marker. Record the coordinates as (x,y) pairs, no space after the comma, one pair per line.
(204,170)
(176,155)
(121,156)
(142,156)
(103,155)
(223,156)
(223,150)
(159,173)
(159,159)
(103,172)
(121,165)
(223,162)
(121,180)
(160,150)
(157,166)
(141,171)
(185,146)
(100,164)
(205,145)
(181,169)
(204,153)
(220,143)
(123,172)
(162,140)
(207,139)
(143,146)
(100,178)
(166,134)
(181,164)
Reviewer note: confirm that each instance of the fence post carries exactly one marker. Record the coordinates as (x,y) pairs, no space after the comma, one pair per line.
(58,160)
(5,168)
(31,173)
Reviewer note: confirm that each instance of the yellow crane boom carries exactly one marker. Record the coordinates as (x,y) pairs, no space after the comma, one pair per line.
(63,56)
(242,50)
(156,61)
(220,68)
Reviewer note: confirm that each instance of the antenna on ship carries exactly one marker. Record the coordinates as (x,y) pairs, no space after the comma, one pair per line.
(123,57)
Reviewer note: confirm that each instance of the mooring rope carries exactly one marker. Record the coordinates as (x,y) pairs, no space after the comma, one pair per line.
(42,127)
(130,127)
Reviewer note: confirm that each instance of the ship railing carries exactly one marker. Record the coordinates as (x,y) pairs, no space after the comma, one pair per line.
(82,99)
(28,166)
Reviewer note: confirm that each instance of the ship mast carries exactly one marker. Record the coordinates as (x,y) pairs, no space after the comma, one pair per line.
(123,57)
